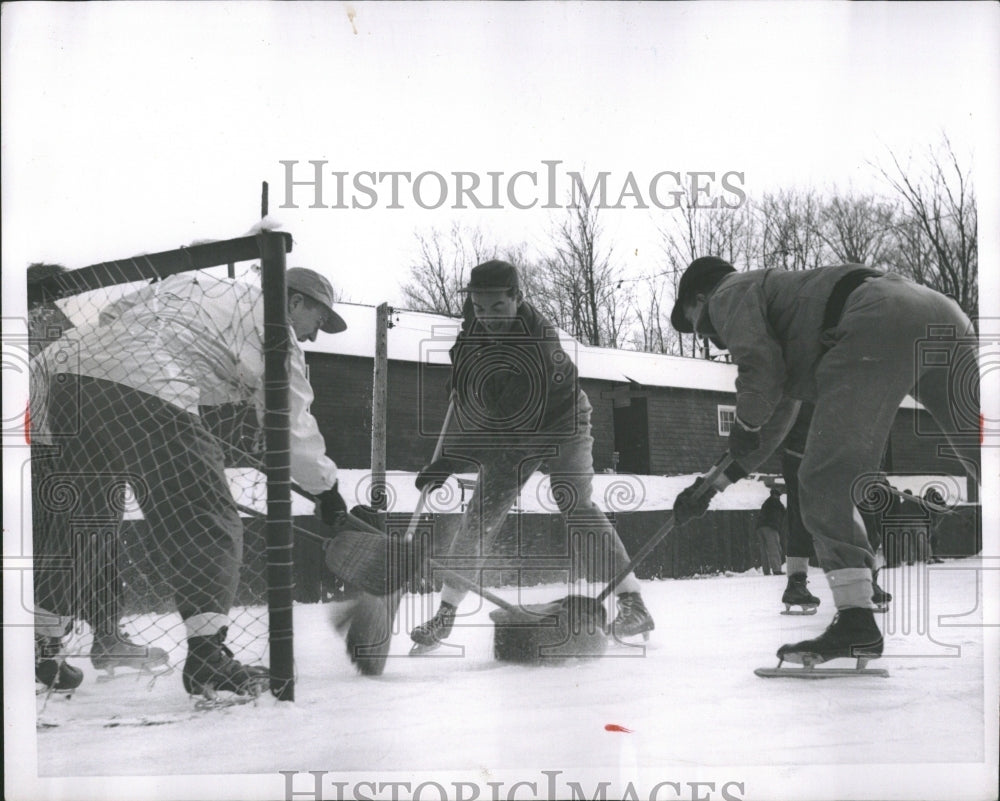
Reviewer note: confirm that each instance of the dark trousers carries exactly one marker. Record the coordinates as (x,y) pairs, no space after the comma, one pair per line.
(111,440)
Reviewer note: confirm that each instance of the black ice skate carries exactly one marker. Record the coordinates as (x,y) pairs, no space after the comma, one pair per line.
(880,598)
(853,634)
(211,669)
(52,674)
(633,618)
(796,594)
(427,636)
(111,651)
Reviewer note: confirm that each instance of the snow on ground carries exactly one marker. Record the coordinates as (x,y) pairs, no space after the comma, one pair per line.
(613,492)
(695,710)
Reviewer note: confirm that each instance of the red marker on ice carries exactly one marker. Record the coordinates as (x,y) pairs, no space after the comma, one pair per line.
(616,727)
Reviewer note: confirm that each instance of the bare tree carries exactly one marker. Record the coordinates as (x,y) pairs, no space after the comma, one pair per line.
(857,229)
(691,232)
(584,291)
(442,268)
(789,223)
(941,208)
(911,253)
(651,306)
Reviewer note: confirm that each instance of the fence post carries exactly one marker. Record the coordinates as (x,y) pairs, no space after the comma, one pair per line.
(278,528)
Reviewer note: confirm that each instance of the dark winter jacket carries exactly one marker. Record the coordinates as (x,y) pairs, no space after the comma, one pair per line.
(772,514)
(772,323)
(518,384)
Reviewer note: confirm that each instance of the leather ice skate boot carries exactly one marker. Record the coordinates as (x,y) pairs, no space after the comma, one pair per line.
(633,618)
(211,668)
(51,671)
(117,650)
(796,594)
(853,634)
(428,636)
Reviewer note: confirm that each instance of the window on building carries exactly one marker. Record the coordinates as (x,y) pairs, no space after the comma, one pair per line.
(727,416)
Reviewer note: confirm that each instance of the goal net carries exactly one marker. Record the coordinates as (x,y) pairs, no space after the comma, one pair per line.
(153,516)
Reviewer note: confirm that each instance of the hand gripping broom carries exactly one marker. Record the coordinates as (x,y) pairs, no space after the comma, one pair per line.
(368,555)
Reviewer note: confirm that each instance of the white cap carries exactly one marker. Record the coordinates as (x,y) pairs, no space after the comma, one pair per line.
(313,285)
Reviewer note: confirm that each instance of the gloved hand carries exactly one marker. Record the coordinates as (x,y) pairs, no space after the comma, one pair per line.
(436,473)
(687,507)
(743,440)
(329,505)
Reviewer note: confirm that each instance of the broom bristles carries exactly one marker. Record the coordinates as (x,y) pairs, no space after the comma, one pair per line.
(370,560)
(366,623)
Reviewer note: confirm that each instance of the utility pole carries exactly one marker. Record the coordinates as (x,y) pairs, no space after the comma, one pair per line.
(380,391)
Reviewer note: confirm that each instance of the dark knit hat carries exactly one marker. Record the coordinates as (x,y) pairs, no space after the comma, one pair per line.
(492,276)
(700,276)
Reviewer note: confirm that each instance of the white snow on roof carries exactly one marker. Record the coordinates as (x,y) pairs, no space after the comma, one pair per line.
(426,338)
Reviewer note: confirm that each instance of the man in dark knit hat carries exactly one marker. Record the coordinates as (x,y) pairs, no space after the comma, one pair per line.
(847,339)
(519,406)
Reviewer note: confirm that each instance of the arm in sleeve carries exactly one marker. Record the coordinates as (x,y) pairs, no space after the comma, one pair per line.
(311,467)
(740,317)
(772,434)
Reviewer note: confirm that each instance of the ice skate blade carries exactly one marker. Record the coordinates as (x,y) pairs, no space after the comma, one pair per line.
(134,663)
(802,610)
(419,649)
(41,689)
(808,670)
(211,698)
(225,701)
(138,674)
(819,673)
(631,639)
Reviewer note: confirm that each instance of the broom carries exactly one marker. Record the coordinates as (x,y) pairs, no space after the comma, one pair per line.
(367,624)
(573,626)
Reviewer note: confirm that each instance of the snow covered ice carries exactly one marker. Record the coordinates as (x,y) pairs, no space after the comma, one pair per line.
(690,700)
(692,706)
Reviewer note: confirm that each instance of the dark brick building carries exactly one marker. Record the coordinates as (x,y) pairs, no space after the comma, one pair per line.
(653,414)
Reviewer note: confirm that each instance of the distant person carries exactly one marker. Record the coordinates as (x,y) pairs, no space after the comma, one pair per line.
(769,524)
(800,542)
(935,504)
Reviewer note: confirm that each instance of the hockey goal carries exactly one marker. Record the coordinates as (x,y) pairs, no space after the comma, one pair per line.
(132,528)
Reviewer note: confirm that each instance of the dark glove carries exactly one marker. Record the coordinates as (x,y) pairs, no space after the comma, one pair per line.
(437,472)
(688,507)
(329,505)
(742,440)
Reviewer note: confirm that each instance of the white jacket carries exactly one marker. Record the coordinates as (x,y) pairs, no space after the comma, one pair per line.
(190,339)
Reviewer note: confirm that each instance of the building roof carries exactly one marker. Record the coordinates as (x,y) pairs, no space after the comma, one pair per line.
(425,338)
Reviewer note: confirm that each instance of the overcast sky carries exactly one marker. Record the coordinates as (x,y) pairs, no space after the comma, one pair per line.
(133,128)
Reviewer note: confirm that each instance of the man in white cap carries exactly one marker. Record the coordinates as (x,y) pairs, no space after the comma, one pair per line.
(121,397)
